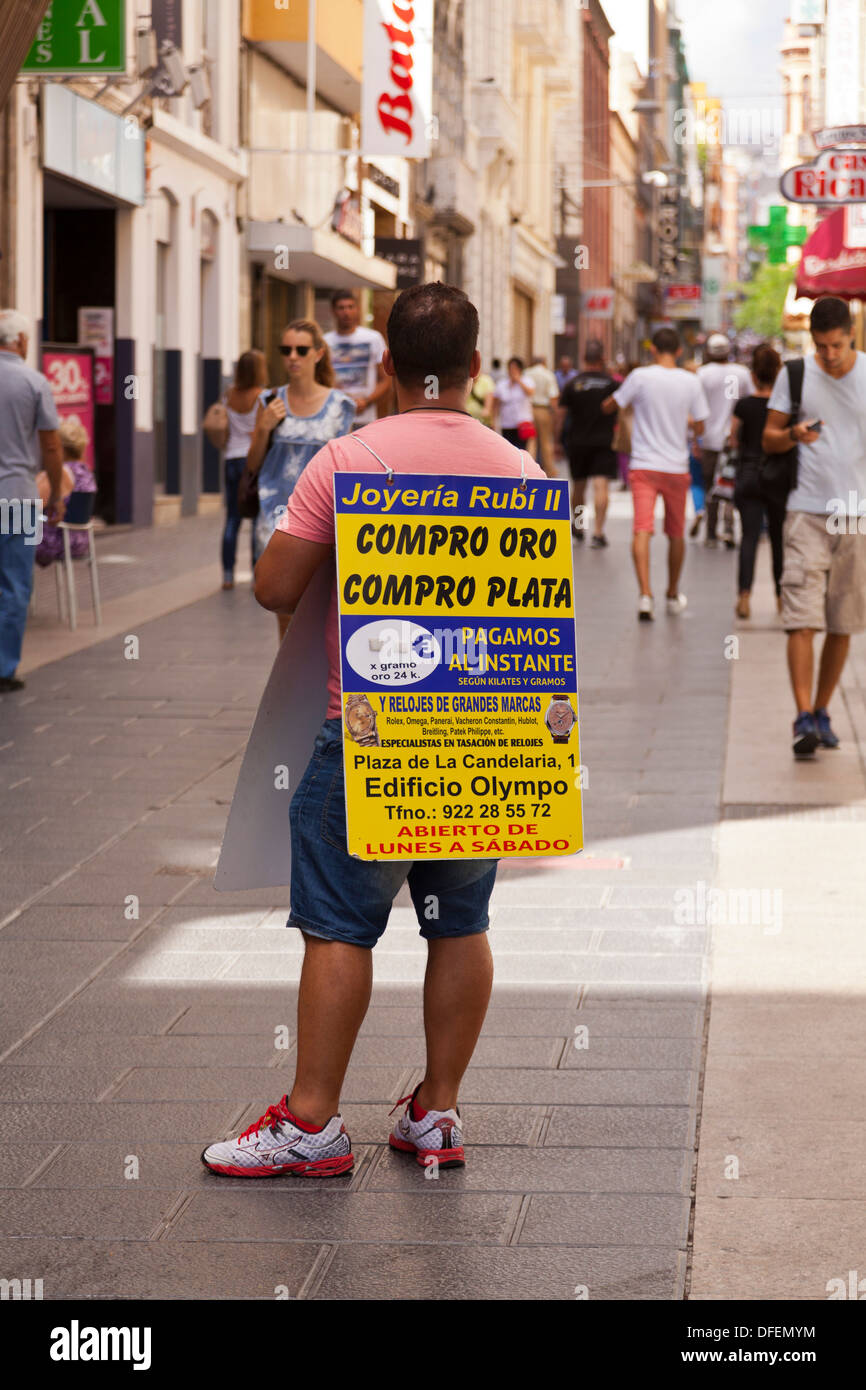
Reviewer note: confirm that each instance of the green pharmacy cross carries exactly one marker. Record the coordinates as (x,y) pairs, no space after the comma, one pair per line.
(777,236)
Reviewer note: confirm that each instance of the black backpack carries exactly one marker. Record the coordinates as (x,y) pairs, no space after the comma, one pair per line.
(778,472)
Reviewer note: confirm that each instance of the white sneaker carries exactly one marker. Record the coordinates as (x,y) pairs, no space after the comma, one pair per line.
(645,608)
(437,1140)
(275,1144)
(676,605)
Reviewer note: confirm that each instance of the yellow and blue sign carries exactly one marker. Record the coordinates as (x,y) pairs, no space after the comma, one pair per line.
(458,666)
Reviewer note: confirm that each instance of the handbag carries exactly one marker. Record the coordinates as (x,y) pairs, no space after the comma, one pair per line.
(778,472)
(726,477)
(526,430)
(216,424)
(248,486)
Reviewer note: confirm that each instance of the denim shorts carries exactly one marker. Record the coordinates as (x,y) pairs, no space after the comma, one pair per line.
(341,898)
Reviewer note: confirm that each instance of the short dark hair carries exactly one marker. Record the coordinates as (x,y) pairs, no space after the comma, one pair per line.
(666,340)
(342,294)
(593,350)
(829,313)
(518,360)
(766,364)
(432,331)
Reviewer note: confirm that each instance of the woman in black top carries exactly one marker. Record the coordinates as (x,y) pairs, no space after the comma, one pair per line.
(747,425)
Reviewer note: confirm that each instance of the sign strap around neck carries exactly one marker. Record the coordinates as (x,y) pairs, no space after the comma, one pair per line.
(390,472)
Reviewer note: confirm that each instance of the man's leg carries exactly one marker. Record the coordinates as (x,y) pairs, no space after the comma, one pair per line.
(600,497)
(640,554)
(457,988)
(833,656)
(334,994)
(16,583)
(578,495)
(643,495)
(800,664)
(674,488)
(709,460)
(676,556)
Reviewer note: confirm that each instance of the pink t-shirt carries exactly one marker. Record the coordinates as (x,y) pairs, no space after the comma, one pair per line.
(415,442)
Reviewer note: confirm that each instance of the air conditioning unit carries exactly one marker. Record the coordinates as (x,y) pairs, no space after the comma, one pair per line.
(146,56)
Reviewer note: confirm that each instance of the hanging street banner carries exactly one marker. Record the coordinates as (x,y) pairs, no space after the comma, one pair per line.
(80,36)
(458,666)
(397,85)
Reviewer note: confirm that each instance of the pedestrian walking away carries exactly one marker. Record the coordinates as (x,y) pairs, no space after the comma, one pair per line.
(666,401)
(724,384)
(512,404)
(28,427)
(341,903)
(587,439)
(824,572)
(241,403)
(356,355)
(292,424)
(752,501)
(544,402)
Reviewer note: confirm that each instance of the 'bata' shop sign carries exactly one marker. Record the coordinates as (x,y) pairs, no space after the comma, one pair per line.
(397,90)
(834,176)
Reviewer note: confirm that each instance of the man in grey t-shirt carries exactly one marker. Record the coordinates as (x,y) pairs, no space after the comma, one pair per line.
(28,441)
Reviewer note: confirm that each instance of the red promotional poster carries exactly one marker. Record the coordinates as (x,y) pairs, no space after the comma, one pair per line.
(70,374)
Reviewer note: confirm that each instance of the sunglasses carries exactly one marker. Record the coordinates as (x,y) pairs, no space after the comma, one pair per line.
(301,351)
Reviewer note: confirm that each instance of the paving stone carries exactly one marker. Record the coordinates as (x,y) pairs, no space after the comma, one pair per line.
(619,1126)
(75,922)
(123,1122)
(55,1048)
(623,1020)
(297,1213)
(494,1169)
(240,1083)
(485,1124)
(606,1219)
(676,1053)
(101,1214)
(124,1269)
(24,1083)
(549,1273)
(611,1087)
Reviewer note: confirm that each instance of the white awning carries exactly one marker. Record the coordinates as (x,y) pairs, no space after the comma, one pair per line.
(318,255)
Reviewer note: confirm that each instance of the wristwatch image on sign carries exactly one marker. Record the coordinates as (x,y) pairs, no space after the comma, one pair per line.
(560,718)
(360,721)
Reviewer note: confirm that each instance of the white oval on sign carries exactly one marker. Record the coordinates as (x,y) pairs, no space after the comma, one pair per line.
(393,651)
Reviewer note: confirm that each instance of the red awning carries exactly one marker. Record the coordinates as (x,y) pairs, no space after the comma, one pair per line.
(828,265)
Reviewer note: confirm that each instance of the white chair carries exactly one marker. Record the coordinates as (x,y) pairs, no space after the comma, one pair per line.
(78,516)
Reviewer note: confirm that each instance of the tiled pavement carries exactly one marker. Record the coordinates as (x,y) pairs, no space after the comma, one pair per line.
(135,1029)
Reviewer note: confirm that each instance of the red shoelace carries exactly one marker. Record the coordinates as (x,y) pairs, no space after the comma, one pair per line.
(273,1116)
(401,1102)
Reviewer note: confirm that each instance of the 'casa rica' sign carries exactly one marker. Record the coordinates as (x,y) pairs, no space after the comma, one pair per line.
(833,176)
(397,89)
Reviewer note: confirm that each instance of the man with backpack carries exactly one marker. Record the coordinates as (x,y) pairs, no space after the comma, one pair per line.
(824,574)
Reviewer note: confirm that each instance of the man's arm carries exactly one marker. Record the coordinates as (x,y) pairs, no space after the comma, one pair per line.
(382,387)
(779,436)
(696,427)
(285,569)
(609,405)
(52,461)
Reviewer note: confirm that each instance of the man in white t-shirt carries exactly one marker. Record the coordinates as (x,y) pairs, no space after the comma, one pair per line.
(724,384)
(544,401)
(666,400)
(824,575)
(356,353)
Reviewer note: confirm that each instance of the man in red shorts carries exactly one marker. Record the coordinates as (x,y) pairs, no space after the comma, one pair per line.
(666,400)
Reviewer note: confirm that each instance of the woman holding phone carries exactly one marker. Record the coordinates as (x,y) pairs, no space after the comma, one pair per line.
(292,424)
(747,427)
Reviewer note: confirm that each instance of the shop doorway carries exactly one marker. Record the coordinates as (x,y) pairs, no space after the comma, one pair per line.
(79,273)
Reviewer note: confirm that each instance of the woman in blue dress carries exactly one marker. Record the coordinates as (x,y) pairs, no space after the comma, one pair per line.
(292,424)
